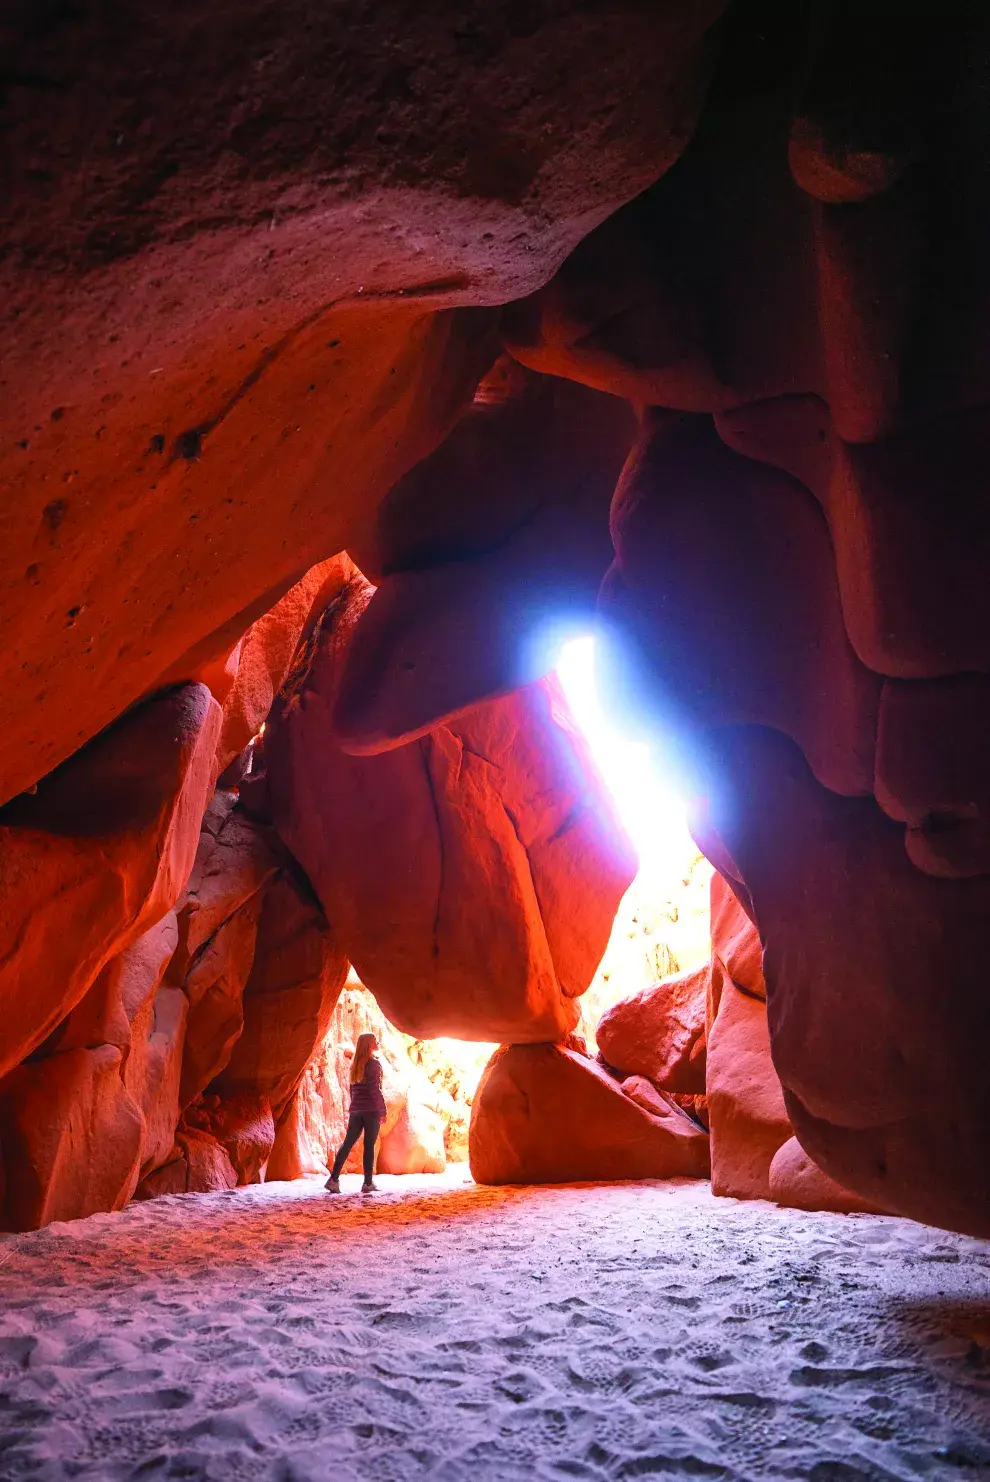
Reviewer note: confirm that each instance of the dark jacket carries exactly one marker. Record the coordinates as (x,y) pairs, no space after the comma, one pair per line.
(366,1094)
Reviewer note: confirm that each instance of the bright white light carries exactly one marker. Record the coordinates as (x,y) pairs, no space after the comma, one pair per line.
(648,804)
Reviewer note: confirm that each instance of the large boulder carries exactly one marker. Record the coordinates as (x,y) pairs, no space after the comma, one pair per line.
(798,1183)
(198,1164)
(520,861)
(71,1138)
(545,1114)
(660,1032)
(97,855)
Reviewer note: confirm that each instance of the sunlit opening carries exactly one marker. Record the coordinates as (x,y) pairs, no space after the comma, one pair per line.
(648,804)
(662,924)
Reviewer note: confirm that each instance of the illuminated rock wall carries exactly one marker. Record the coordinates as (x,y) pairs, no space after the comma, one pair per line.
(675,312)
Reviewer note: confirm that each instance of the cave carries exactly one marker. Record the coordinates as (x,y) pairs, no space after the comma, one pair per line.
(364,368)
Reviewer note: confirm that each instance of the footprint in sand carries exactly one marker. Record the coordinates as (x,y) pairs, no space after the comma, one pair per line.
(143,1401)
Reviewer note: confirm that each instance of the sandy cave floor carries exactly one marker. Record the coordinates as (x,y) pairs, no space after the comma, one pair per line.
(446,1331)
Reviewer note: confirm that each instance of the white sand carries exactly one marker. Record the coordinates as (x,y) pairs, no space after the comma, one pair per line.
(450,1332)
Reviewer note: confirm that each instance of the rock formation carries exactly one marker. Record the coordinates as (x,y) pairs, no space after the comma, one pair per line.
(472,841)
(547,1114)
(707,1032)
(205,1046)
(661,1033)
(680,311)
(95,856)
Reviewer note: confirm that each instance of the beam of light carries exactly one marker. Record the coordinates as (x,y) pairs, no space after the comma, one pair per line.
(647,802)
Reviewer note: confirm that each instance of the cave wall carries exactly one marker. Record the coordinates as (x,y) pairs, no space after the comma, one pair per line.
(797,592)
(189,943)
(674,313)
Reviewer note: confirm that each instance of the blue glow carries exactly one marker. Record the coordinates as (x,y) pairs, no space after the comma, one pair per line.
(647,799)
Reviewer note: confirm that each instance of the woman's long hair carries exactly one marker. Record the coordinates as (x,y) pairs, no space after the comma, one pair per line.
(362,1054)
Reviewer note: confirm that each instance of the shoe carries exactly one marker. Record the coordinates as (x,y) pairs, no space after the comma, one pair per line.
(333,1184)
(369,1187)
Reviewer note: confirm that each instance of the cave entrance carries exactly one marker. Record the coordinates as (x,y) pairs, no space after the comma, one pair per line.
(661,927)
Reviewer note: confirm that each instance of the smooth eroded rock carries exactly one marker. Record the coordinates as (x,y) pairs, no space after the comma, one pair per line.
(660,1032)
(544,1114)
(96,856)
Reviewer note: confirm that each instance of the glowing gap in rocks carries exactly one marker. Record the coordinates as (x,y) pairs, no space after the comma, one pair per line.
(649,806)
(662,924)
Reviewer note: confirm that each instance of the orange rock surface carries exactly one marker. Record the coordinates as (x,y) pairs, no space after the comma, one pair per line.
(660,1033)
(798,1183)
(97,855)
(421,314)
(490,847)
(545,1114)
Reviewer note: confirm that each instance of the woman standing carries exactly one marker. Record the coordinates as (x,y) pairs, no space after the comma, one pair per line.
(367,1112)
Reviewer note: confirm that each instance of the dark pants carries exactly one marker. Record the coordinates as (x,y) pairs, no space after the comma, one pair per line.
(357,1123)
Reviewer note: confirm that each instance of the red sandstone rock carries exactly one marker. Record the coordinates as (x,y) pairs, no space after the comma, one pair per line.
(839,176)
(258,317)
(72,1137)
(798,1183)
(619,317)
(746,1114)
(182,470)
(218,919)
(660,1033)
(580,858)
(203,1165)
(214,986)
(519,860)
(242,1125)
(931,773)
(543,1114)
(784,660)
(858,127)
(735,940)
(869,263)
(660,1103)
(748,1120)
(97,1104)
(260,660)
(524,442)
(234,858)
(96,856)
(414,1144)
(480,584)
(914,598)
(794,433)
(161,1071)
(296,977)
(645,1094)
(884,1079)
